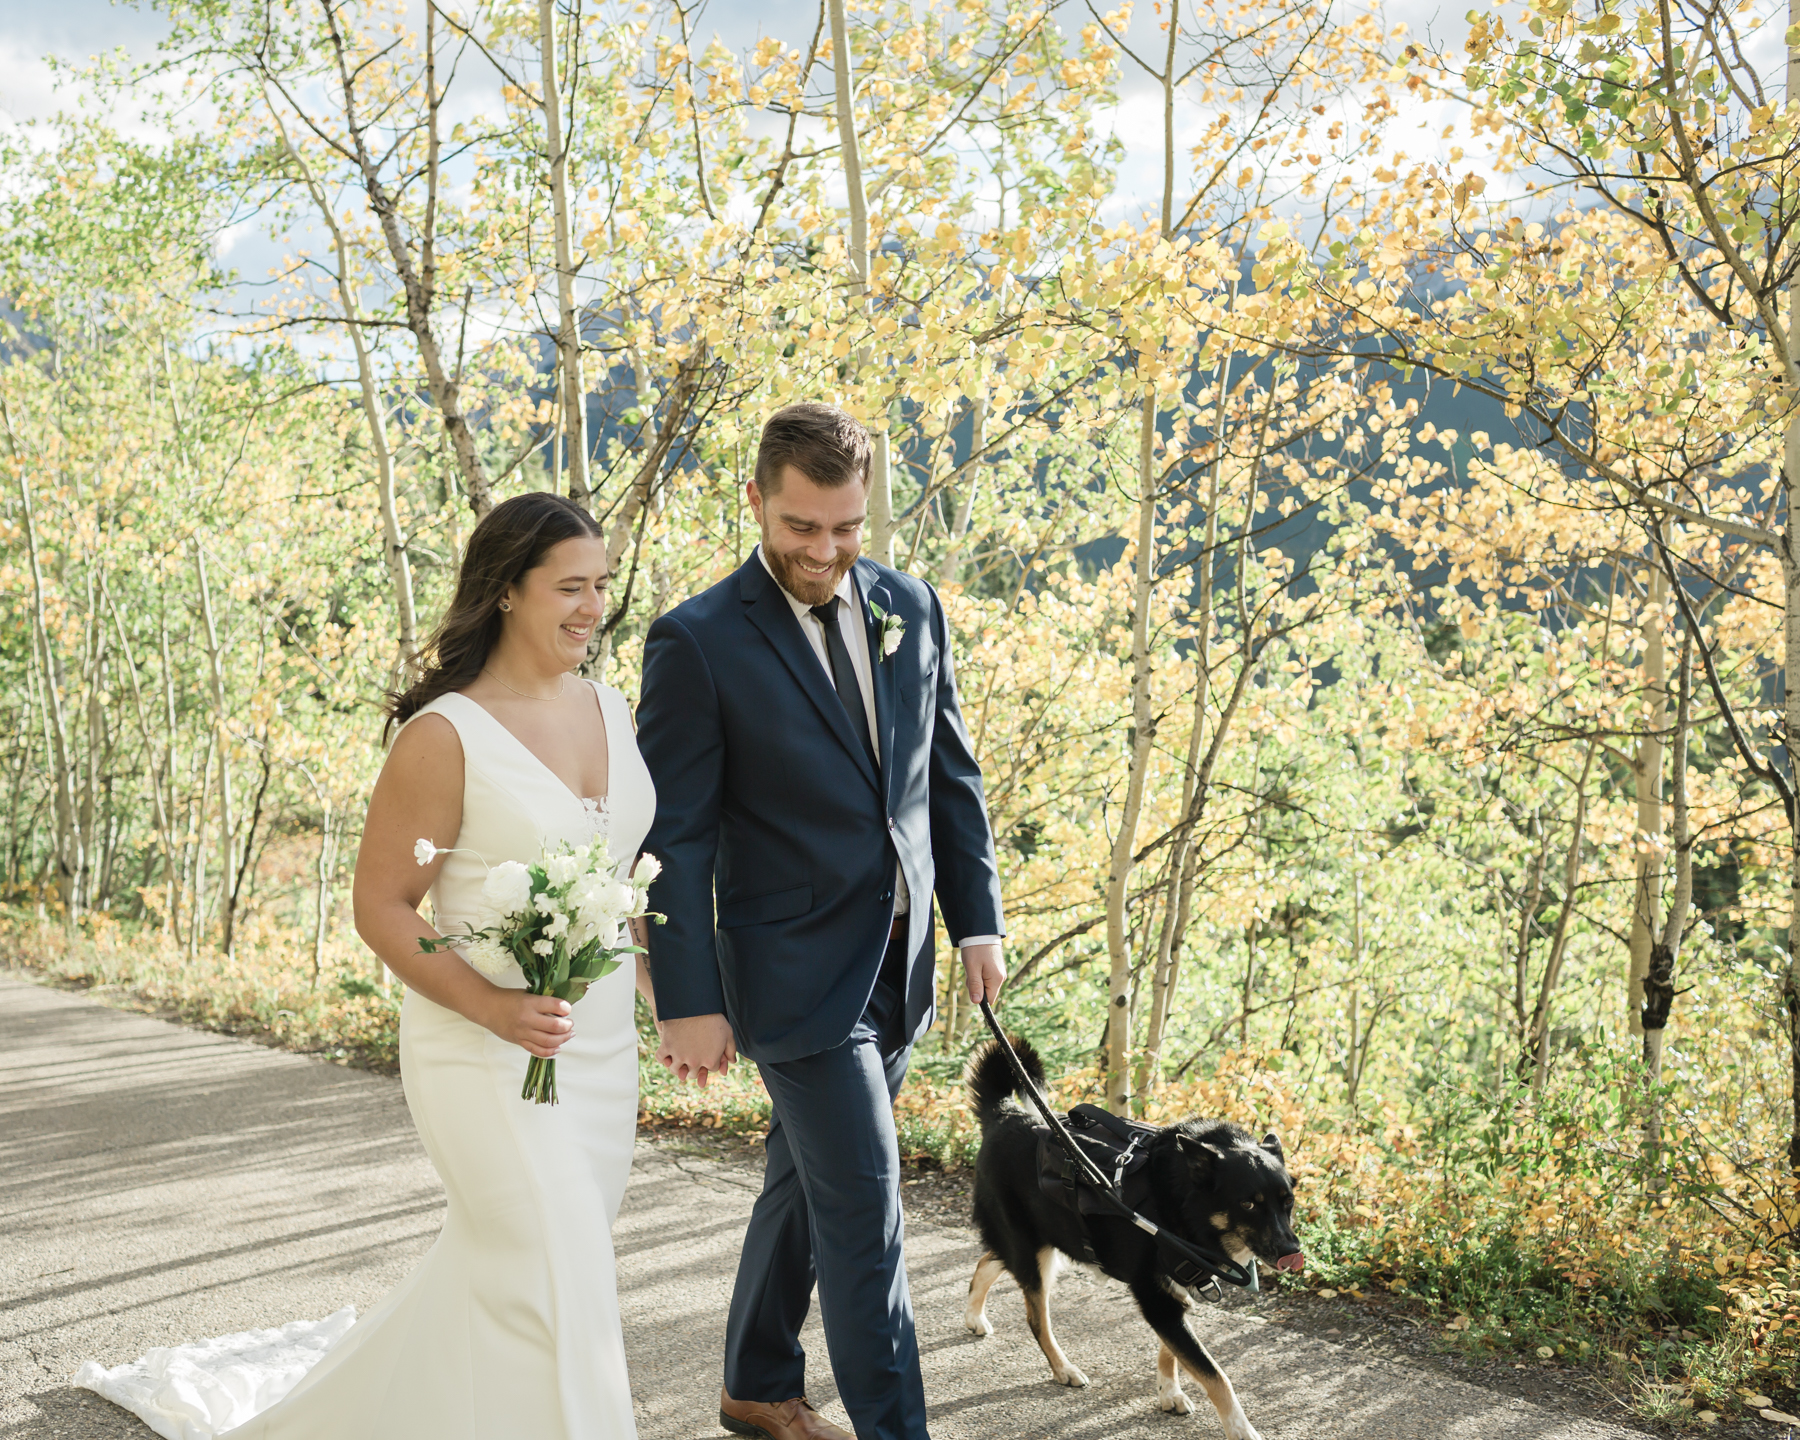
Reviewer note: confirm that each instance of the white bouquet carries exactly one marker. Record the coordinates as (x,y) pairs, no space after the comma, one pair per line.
(560,920)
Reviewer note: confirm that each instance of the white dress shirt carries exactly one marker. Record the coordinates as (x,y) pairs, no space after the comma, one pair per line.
(856,640)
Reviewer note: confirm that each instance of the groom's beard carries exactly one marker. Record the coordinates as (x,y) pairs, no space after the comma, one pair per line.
(804,586)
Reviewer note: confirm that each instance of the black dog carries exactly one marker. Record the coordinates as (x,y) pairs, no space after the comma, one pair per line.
(1210,1183)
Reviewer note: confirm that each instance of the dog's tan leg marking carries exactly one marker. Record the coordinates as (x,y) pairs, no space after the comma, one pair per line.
(1224,1400)
(988,1269)
(1169,1394)
(1037,1315)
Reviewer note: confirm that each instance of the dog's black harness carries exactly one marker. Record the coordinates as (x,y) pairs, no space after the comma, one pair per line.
(1073,1170)
(1119,1150)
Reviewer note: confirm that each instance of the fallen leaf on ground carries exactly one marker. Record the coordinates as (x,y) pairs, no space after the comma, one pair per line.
(1780,1417)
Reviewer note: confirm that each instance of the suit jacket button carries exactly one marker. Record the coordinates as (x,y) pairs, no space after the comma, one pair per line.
(887,897)
(892,823)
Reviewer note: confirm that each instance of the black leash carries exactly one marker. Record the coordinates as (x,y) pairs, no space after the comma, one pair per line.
(1192,1267)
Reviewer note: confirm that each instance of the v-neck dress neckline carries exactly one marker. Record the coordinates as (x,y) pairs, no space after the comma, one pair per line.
(595,805)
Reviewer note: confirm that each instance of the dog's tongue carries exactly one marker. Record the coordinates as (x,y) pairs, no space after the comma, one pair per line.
(1296,1261)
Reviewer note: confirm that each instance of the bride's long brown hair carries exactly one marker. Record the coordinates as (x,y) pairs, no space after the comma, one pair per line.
(511,539)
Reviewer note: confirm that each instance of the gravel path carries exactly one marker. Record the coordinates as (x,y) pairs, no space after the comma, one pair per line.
(158,1184)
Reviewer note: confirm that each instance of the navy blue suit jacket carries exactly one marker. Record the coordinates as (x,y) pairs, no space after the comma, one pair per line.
(767,802)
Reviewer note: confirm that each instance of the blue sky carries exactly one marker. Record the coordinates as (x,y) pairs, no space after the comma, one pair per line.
(30,30)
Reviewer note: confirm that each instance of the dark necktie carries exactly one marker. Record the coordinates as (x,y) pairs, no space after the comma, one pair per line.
(843,675)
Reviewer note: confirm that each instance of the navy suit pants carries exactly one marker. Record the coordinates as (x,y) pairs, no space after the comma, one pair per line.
(830,1211)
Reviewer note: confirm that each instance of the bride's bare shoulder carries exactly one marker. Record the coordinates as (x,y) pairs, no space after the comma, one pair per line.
(426,745)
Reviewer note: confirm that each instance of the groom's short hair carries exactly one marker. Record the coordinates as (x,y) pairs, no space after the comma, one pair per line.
(824,444)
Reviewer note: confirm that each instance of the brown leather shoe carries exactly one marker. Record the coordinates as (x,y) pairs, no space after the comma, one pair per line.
(777,1420)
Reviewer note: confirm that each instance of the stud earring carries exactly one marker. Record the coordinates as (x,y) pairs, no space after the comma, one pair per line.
(506,606)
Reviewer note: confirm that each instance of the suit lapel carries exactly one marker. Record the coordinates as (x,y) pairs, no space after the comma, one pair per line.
(768,609)
(873,592)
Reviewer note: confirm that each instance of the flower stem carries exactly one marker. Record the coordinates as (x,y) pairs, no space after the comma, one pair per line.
(540,1082)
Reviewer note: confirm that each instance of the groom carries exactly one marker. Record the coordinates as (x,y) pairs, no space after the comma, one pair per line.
(814,777)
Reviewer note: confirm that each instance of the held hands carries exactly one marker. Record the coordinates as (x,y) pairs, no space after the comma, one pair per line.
(986,971)
(539,1024)
(697,1047)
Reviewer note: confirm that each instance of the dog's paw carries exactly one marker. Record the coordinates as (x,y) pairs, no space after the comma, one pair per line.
(978,1324)
(1069,1375)
(1238,1428)
(1174,1399)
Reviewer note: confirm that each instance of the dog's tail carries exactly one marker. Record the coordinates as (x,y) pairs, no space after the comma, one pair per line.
(991,1080)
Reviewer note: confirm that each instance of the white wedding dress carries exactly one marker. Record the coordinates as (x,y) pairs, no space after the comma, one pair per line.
(510,1326)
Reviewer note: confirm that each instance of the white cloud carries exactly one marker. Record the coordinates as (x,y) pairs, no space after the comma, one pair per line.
(73,32)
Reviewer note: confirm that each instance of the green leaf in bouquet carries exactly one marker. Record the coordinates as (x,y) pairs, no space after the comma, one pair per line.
(530,962)
(585,965)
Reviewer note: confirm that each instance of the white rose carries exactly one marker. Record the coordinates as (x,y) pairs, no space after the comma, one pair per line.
(606,902)
(600,904)
(506,893)
(648,868)
(588,895)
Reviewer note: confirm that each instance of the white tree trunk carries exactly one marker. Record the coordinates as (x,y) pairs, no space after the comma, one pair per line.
(1143,735)
(1118,880)
(393,536)
(1182,863)
(222,741)
(1559,939)
(69,839)
(950,570)
(1666,954)
(156,757)
(1646,768)
(568,333)
(881,523)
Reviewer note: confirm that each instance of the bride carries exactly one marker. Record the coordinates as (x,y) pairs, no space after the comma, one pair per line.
(510,1325)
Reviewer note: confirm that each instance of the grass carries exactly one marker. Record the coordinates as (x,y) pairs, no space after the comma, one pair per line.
(1516,1224)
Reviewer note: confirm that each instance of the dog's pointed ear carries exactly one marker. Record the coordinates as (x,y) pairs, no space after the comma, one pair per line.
(1272,1143)
(1204,1151)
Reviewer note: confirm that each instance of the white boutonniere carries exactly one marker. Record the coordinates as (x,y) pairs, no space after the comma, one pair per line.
(893,629)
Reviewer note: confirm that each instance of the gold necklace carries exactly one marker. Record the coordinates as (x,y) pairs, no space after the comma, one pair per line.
(526,694)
